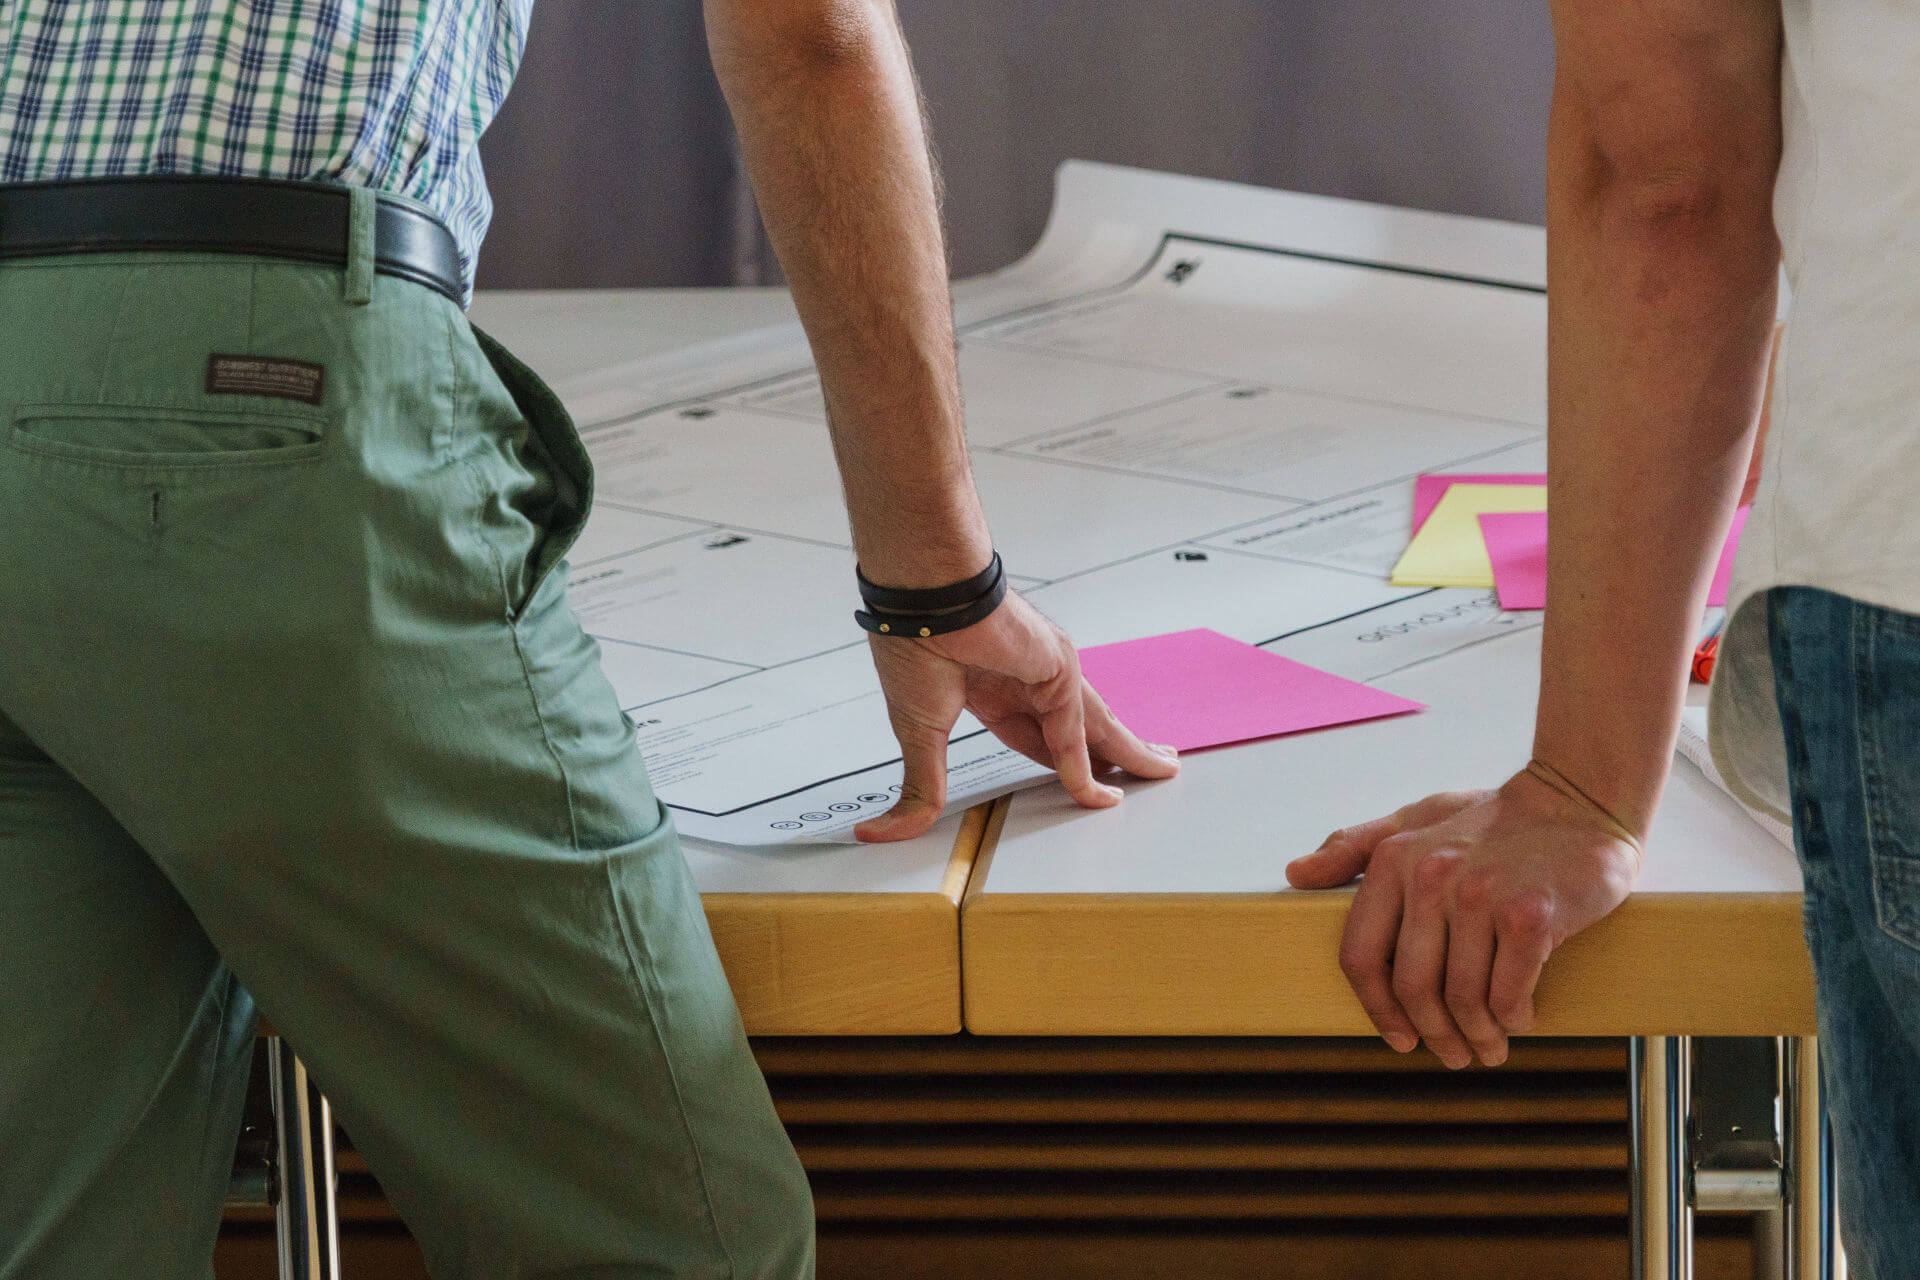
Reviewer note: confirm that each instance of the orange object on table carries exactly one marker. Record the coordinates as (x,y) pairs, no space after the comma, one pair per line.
(1703,658)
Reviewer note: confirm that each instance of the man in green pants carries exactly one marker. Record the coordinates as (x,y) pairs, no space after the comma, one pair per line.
(292,703)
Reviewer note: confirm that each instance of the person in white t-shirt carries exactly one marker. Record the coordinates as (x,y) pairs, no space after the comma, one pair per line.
(1690,144)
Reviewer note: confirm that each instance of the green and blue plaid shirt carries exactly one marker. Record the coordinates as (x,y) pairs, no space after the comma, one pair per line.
(388,94)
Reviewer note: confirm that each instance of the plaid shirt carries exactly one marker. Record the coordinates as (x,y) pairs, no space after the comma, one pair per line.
(389,94)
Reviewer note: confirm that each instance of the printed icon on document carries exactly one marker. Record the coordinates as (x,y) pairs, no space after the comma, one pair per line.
(875,797)
(720,542)
(785,826)
(1189,555)
(698,411)
(816,816)
(1180,270)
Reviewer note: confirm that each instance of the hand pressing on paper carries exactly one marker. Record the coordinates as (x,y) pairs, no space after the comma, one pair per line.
(1464,896)
(1020,676)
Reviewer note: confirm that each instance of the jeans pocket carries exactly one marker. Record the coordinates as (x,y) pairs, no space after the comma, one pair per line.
(1886,664)
(558,453)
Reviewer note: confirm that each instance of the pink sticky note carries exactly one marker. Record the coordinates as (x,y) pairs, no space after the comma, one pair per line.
(1194,689)
(1517,546)
(1428,490)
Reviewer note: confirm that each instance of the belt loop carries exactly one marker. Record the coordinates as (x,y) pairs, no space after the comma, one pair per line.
(361,206)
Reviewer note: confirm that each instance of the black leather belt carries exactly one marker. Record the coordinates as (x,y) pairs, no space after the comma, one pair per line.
(301,221)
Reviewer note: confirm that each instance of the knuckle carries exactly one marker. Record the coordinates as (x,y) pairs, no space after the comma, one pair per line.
(1510,1011)
(1432,874)
(1525,916)
(914,793)
(1475,889)
(913,724)
(1062,723)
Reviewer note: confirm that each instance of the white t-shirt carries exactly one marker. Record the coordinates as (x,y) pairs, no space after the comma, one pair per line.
(1839,500)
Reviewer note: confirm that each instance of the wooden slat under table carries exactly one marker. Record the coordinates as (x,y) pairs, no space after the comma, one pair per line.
(1169,915)
(843,939)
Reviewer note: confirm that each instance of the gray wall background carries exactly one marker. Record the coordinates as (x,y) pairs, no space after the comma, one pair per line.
(612,162)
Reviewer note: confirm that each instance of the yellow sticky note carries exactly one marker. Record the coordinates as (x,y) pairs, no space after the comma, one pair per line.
(1449,551)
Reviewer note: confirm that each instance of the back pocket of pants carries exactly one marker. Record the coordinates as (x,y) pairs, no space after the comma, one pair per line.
(139,438)
(1887,687)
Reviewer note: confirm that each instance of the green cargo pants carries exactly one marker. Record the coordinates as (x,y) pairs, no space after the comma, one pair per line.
(293,707)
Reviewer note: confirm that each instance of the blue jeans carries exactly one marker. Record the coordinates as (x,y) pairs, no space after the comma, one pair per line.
(1847,676)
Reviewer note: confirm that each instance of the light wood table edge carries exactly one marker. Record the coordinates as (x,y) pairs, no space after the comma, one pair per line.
(1266,964)
(981,864)
(848,964)
(980,826)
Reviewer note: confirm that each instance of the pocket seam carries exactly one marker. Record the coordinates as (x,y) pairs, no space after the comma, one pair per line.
(470,467)
(24,441)
(566,455)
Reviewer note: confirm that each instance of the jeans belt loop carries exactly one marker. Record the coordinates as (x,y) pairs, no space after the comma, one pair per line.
(361,207)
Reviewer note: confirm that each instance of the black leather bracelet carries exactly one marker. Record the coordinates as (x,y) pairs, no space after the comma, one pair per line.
(929,599)
(923,623)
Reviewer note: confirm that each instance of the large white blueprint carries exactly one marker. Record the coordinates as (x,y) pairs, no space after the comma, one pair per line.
(1196,405)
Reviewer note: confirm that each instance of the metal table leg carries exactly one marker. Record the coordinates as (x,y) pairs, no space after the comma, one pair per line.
(1661,1219)
(306,1217)
(1813,1236)
(1671,1177)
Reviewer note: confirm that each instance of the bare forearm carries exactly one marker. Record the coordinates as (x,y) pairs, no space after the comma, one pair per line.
(1661,308)
(823,95)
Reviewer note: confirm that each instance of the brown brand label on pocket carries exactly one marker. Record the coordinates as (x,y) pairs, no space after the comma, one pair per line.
(265,376)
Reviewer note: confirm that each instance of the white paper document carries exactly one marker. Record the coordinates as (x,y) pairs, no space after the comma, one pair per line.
(1194,406)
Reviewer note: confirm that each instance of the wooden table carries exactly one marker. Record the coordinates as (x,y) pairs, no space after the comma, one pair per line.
(1171,917)
(843,941)
(1176,920)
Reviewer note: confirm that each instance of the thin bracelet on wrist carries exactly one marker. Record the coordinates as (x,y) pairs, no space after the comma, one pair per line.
(1573,791)
(921,613)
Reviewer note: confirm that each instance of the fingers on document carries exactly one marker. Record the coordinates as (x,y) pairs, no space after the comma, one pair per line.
(1366,956)
(923,789)
(1022,733)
